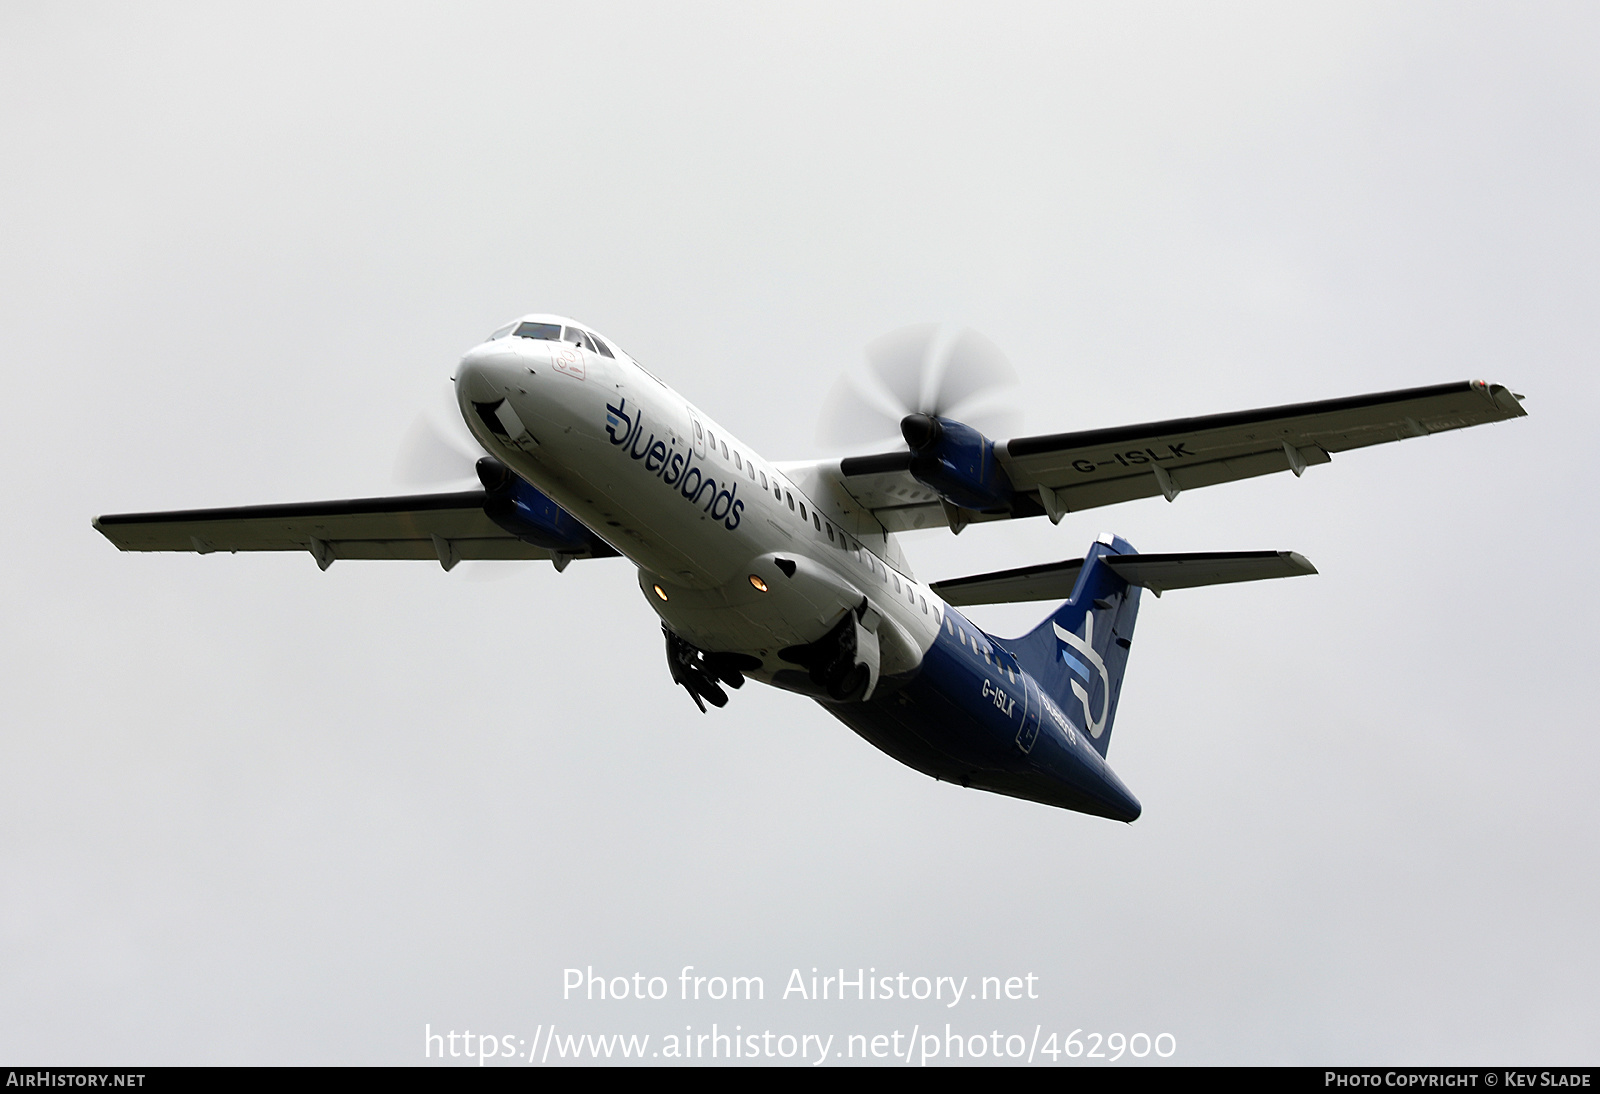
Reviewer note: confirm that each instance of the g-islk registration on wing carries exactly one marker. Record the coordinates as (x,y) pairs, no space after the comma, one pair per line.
(1060,473)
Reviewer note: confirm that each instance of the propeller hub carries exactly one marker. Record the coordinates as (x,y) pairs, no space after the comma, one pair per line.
(920,430)
(494,475)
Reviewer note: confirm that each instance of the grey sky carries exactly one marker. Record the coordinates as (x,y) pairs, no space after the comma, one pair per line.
(250,812)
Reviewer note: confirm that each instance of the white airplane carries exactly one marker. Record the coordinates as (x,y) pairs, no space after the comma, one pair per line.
(790,573)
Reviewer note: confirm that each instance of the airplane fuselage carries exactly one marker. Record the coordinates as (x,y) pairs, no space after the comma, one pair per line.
(738,557)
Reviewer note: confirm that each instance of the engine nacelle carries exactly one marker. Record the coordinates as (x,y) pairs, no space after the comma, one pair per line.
(956,462)
(515,505)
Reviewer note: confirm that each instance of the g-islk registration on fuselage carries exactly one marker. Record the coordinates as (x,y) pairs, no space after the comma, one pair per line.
(790,573)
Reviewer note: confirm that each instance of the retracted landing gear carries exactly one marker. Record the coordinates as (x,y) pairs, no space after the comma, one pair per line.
(698,671)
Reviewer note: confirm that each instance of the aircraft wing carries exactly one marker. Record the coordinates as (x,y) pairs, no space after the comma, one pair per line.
(1064,472)
(445,527)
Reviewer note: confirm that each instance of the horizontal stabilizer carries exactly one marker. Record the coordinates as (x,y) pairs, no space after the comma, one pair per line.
(1052,581)
(1158,573)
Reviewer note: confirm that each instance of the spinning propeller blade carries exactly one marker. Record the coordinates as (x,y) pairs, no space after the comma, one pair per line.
(429,455)
(915,371)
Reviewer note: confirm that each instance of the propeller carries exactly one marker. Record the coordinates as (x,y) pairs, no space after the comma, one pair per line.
(919,372)
(431,455)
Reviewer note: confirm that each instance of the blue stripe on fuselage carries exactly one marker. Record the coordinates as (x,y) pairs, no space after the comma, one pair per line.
(943,721)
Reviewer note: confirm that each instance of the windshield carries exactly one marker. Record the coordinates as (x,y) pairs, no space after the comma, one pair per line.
(548,332)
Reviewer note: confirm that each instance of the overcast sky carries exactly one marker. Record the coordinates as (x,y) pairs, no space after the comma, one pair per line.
(255,813)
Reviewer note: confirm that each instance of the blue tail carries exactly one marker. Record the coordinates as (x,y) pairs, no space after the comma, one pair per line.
(1077,656)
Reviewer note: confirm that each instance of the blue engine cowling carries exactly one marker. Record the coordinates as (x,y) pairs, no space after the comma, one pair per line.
(957,462)
(515,505)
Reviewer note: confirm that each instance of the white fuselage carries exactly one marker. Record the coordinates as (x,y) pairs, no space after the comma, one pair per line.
(735,553)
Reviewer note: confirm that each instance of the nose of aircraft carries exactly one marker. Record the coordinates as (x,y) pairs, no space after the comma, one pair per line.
(486,371)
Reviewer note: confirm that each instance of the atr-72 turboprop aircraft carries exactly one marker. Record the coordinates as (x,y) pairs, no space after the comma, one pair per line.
(790,574)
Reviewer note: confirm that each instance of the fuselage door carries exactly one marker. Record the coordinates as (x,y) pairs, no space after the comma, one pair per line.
(1032,707)
(699,435)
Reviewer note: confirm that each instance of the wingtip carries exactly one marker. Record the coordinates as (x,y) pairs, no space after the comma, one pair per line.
(1508,401)
(1301,561)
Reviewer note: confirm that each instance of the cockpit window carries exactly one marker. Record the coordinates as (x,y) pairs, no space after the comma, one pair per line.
(501,333)
(547,332)
(604,349)
(579,338)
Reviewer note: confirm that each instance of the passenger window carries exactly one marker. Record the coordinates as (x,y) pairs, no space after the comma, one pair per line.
(802,512)
(896,579)
(816,521)
(924,604)
(724,449)
(830,531)
(763,480)
(738,464)
(791,502)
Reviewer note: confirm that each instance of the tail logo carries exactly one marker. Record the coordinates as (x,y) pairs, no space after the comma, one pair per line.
(1084,645)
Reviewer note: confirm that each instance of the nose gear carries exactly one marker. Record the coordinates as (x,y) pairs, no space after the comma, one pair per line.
(698,671)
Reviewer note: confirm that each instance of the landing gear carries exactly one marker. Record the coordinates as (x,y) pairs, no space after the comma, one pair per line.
(698,671)
(843,663)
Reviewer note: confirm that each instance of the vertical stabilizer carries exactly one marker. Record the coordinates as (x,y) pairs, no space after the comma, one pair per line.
(1078,654)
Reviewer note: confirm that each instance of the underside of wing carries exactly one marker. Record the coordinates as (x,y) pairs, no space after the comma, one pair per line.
(1104,466)
(1060,473)
(445,527)
(883,485)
